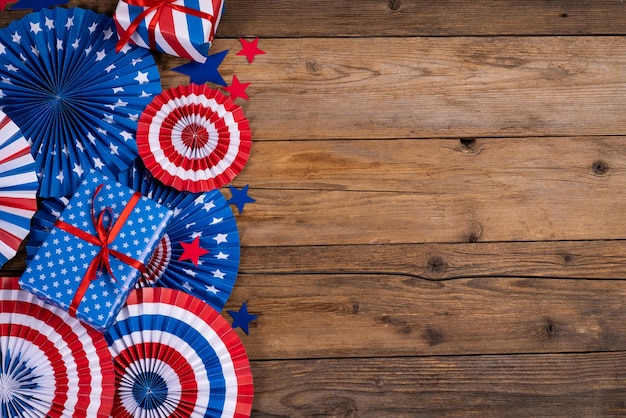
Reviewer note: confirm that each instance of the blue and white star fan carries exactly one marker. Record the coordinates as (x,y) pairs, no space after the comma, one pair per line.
(205,216)
(18,188)
(75,99)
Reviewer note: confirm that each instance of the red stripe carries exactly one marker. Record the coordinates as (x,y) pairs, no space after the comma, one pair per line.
(9,239)
(20,153)
(19,203)
(4,121)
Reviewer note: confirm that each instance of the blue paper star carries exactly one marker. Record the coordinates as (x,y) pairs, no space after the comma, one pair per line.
(239,197)
(200,73)
(36,5)
(242,318)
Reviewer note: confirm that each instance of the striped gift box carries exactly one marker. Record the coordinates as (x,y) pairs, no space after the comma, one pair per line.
(184,28)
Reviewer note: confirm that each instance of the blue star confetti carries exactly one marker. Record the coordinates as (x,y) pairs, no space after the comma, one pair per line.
(200,73)
(242,318)
(36,5)
(239,197)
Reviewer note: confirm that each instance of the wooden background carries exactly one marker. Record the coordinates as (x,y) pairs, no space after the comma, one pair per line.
(441,193)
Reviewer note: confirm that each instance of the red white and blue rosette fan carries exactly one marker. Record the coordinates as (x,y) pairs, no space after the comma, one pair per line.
(51,364)
(175,356)
(205,216)
(194,138)
(76,101)
(18,188)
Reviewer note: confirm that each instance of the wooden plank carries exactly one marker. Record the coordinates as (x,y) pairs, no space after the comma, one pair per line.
(430,87)
(554,385)
(375,315)
(560,259)
(375,18)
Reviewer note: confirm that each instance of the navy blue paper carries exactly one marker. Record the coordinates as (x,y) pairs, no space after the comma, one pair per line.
(75,99)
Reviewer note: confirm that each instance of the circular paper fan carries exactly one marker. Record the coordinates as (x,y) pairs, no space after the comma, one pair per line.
(194,138)
(18,188)
(205,215)
(51,364)
(175,356)
(75,99)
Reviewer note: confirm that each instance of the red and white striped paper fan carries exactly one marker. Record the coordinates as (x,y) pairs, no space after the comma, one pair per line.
(194,138)
(175,356)
(18,188)
(52,364)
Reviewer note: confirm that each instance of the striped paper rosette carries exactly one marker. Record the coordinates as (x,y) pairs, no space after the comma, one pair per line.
(175,356)
(51,364)
(194,138)
(76,100)
(18,188)
(204,215)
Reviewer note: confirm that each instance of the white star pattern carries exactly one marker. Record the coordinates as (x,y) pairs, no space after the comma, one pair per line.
(49,23)
(142,77)
(219,238)
(16,38)
(106,294)
(35,27)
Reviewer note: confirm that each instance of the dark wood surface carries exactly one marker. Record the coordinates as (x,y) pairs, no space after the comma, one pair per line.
(441,187)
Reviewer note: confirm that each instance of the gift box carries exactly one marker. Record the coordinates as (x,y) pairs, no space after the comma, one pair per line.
(93,256)
(184,28)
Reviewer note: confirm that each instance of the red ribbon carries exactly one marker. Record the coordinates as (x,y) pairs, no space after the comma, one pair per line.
(157,6)
(105,236)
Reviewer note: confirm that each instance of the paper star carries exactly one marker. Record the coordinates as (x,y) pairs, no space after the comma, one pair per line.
(239,197)
(192,251)
(242,318)
(237,89)
(200,73)
(250,49)
(36,5)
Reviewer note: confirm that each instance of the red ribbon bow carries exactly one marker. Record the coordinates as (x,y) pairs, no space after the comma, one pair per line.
(105,236)
(157,6)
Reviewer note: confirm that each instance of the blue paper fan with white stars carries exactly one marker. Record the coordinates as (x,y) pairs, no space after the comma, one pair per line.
(75,100)
(204,220)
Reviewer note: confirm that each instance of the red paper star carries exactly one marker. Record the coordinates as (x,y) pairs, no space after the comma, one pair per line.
(237,89)
(250,49)
(192,251)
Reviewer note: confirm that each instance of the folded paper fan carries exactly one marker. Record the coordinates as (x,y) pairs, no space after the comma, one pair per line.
(175,356)
(74,98)
(207,216)
(18,188)
(51,364)
(194,138)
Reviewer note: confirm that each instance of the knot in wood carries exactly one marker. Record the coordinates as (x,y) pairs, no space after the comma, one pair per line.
(436,265)
(600,168)
(394,4)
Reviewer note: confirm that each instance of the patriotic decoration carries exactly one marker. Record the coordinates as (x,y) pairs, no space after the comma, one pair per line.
(204,216)
(194,138)
(75,99)
(52,365)
(93,256)
(176,356)
(184,28)
(18,188)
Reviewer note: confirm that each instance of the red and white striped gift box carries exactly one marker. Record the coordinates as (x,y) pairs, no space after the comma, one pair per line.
(184,28)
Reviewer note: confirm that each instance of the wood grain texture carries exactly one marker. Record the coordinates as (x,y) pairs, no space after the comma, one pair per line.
(553,385)
(376,315)
(438,227)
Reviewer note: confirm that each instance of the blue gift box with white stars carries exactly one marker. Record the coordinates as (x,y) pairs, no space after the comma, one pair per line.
(102,236)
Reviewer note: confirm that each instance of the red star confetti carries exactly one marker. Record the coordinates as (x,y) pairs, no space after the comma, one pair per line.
(250,49)
(237,89)
(192,251)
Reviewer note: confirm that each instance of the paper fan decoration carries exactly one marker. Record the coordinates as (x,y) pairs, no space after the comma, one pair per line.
(75,99)
(175,356)
(51,364)
(18,188)
(206,217)
(194,138)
